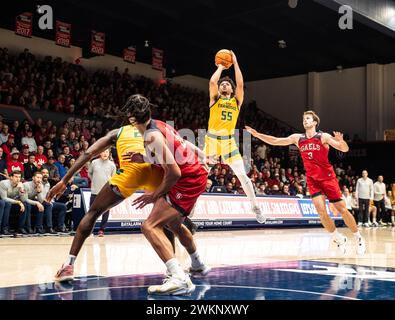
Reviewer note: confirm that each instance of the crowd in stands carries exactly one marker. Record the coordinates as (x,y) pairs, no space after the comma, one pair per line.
(94,99)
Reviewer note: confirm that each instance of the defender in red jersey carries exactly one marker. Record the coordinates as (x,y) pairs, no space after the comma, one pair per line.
(321,178)
(184,180)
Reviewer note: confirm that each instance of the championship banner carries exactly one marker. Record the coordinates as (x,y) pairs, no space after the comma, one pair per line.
(98,42)
(157,59)
(63,34)
(129,55)
(24,24)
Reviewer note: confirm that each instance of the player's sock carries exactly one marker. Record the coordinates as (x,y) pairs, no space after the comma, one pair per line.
(175,269)
(392,219)
(70,260)
(248,189)
(195,260)
(238,169)
(374,220)
(357,235)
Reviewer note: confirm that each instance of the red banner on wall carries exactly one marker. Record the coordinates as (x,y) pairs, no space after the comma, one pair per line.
(98,43)
(157,59)
(129,55)
(63,34)
(24,24)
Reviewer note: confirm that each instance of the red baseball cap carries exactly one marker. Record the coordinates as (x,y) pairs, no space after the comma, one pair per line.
(25,146)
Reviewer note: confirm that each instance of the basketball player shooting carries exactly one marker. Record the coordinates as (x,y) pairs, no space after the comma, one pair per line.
(321,178)
(226,99)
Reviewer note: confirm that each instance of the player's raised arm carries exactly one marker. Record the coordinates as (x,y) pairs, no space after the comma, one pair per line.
(292,139)
(239,94)
(94,150)
(213,86)
(335,141)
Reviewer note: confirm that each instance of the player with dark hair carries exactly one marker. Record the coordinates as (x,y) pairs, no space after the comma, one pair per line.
(184,180)
(226,99)
(128,179)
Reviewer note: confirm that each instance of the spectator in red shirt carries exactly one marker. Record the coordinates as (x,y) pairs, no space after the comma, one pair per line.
(75,152)
(7,147)
(270,181)
(14,163)
(24,157)
(289,175)
(40,157)
(40,135)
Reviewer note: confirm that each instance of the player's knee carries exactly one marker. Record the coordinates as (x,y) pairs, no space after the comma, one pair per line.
(322,213)
(146,227)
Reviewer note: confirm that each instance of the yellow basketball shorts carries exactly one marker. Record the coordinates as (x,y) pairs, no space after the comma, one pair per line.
(224,146)
(137,176)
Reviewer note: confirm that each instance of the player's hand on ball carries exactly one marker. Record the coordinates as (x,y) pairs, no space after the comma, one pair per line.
(221,66)
(338,136)
(143,200)
(234,58)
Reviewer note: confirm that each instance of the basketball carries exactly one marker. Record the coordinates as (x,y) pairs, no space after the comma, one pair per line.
(224,57)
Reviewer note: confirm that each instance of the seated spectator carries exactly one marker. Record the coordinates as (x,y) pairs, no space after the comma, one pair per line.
(4,134)
(36,205)
(76,150)
(61,165)
(209,184)
(275,190)
(299,191)
(8,146)
(229,188)
(81,178)
(24,156)
(285,190)
(28,139)
(261,189)
(13,193)
(214,176)
(68,156)
(14,164)
(53,171)
(40,157)
(30,168)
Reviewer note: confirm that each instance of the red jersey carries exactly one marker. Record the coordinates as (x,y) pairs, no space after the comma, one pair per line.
(23,158)
(41,159)
(187,159)
(315,158)
(14,165)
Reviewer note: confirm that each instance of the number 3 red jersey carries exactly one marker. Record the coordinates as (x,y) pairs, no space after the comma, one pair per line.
(315,158)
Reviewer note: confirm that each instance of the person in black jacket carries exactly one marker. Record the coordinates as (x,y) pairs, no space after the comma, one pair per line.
(30,168)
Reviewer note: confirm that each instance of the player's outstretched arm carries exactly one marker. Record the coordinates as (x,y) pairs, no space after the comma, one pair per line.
(336,141)
(292,139)
(239,94)
(93,151)
(213,86)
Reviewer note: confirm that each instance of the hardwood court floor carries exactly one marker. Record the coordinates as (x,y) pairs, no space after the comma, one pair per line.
(34,260)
